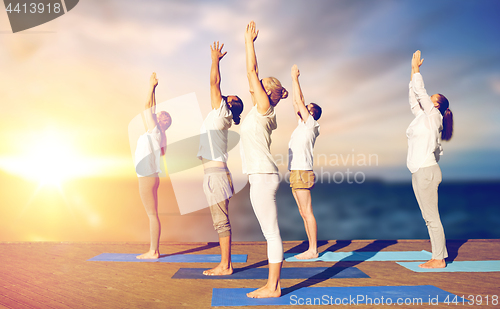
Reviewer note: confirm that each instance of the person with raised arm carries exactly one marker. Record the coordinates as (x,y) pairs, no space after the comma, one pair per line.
(433,123)
(259,164)
(217,181)
(300,162)
(150,147)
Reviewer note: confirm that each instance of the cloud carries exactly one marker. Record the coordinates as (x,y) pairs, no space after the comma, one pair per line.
(121,35)
(91,73)
(495,84)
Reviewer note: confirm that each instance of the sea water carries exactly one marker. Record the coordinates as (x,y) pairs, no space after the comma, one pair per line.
(379,210)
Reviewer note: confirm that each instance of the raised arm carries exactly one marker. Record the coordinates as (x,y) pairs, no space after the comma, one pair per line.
(418,87)
(257,91)
(150,107)
(298,99)
(215,93)
(416,62)
(415,106)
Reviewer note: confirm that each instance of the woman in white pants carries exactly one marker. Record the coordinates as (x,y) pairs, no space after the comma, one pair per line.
(433,122)
(150,147)
(259,164)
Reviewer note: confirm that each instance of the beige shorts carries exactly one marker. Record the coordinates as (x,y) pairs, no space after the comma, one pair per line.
(302,180)
(218,187)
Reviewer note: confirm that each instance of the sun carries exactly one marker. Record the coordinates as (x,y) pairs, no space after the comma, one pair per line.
(47,157)
(51,157)
(52,163)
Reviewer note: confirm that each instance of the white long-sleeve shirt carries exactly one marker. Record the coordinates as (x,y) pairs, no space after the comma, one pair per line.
(424,132)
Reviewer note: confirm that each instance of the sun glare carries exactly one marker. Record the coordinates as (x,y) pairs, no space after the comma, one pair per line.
(49,158)
(53,162)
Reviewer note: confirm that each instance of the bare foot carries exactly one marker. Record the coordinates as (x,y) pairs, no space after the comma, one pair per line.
(220,270)
(307,255)
(433,264)
(150,255)
(265,292)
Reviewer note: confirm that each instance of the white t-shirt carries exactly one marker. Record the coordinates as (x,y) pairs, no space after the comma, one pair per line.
(148,153)
(255,146)
(424,132)
(213,134)
(301,145)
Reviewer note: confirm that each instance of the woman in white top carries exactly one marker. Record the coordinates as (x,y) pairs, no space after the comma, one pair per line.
(217,182)
(300,162)
(150,147)
(259,164)
(433,122)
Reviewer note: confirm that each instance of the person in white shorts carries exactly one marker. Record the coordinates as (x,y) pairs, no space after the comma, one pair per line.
(150,147)
(300,162)
(433,122)
(259,164)
(217,181)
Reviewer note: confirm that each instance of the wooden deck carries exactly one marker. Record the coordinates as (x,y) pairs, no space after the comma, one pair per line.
(58,275)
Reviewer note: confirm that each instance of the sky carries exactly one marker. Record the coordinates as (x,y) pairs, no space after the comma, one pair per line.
(70,87)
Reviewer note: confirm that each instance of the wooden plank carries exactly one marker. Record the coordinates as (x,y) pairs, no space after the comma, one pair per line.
(14,300)
(33,282)
(58,274)
(35,292)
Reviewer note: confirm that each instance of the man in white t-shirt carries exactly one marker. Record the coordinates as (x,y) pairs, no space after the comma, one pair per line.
(300,162)
(217,181)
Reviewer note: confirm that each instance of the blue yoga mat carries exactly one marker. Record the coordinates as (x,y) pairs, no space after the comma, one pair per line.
(286,273)
(175,258)
(457,266)
(329,256)
(370,295)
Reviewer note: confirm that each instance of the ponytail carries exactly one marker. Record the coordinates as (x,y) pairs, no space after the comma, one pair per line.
(236,109)
(163,143)
(444,108)
(284,93)
(447,125)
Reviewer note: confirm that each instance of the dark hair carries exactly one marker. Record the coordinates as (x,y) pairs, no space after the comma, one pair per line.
(444,108)
(316,110)
(163,136)
(236,109)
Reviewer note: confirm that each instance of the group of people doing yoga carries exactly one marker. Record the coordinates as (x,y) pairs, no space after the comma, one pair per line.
(433,122)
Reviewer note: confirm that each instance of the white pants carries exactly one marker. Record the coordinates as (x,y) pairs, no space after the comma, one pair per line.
(263,189)
(425,183)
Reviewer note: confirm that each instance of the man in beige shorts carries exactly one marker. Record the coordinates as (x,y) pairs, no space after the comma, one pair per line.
(300,162)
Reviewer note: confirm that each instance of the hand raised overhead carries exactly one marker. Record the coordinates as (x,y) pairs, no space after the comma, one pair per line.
(153,81)
(295,71)
(416,62)
(217,53)
(251,32)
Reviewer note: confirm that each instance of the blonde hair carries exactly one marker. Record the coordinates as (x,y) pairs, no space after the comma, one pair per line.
(278,92)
